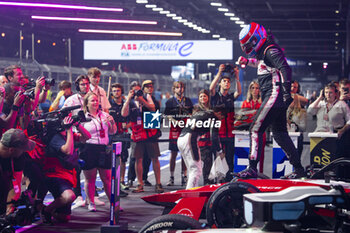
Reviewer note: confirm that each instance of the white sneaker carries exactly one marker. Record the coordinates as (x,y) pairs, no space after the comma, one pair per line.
(98,202)
(92,207)
(79,201)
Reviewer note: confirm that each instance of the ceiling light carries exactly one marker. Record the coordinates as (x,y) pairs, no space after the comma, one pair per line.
(3,34)
(150,33)
(177,17)
(336,11)
(94,20)
(54,44)
(182,21)
(150,6)
(206,31)
(38,41)
(170,15)
(223,9)
(229,14)
(239,22)
(234,18)
(336,34)
(216,36)
(337,24)
(222,38)
(336,42)
(141,1)
(47,5)
(164,12)
(157,9)
(243,25)
(310,64)
(215,4)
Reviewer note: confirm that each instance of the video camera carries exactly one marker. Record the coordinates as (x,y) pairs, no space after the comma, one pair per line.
(23,214)
(52,122)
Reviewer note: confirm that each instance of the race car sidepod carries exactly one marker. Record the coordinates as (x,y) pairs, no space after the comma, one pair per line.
(292,205)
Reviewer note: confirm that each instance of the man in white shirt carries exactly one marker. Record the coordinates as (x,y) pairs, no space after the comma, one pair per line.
(94,75)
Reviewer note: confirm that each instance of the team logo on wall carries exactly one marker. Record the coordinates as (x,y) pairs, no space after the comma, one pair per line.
(151,120)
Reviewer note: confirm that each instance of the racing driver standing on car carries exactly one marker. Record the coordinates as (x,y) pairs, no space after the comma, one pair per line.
(274,77)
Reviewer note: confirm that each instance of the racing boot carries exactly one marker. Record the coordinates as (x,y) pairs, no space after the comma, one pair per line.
(248,173)
(296,174)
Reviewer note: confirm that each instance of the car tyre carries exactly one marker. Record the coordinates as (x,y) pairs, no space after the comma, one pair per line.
(171,222)
(225,206)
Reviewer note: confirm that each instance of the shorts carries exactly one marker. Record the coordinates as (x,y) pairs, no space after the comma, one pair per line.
(124,155)
(138,149)
(57,186)
(96,156)
(173,146)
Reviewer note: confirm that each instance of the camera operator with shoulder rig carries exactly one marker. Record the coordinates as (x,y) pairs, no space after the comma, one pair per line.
(223,97)
(59,168)
(12,145)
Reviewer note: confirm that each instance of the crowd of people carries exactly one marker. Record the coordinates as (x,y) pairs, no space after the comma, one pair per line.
(49,154)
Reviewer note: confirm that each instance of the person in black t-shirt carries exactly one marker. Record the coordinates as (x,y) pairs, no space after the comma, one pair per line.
(117,102)
(177,108)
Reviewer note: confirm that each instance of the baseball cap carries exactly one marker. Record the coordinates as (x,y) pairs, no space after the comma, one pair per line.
(16,138)
(145,83)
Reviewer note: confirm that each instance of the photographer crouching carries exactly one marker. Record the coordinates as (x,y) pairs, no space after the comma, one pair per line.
(12,145)
(59,168)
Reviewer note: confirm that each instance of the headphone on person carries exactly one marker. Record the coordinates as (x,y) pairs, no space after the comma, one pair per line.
(77,81)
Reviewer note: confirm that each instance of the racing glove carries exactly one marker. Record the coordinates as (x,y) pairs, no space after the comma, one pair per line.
(287,98)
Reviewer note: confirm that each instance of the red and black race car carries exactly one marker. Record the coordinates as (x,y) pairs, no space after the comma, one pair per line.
(324,205)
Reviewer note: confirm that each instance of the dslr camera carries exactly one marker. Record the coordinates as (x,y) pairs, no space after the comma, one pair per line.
(229,68)
(139,93)
(23,214)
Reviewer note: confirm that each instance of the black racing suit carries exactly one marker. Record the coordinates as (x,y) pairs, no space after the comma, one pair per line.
(188,143)
(274,77)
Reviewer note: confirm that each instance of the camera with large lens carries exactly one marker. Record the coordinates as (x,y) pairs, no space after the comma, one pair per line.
(139,93)
(49,81)
(23,214)
(229,68)
(52,122)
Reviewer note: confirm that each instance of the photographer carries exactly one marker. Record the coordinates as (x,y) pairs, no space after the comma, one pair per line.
(116,101)
(222,96)
(12,145)
(9,114)
(144,140)
(345,91)
(61,158)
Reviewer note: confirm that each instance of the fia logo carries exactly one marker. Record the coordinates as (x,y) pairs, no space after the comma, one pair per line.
(151,120)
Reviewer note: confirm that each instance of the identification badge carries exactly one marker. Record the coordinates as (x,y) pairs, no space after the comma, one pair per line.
(102,133)
(139,121)
(325,117)
(15,187)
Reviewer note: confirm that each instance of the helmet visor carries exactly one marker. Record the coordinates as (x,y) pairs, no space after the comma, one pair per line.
(249,45)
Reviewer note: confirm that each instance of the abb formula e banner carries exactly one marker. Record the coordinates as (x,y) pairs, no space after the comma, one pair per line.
(158,50)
